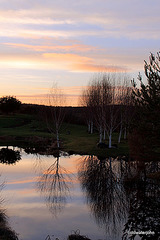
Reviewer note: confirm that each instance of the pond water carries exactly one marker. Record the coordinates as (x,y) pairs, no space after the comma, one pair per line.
(47,195)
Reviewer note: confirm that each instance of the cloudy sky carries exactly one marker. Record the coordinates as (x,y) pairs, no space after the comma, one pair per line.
(67,41)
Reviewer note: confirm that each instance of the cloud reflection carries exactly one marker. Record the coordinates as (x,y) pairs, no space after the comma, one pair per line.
(6,233)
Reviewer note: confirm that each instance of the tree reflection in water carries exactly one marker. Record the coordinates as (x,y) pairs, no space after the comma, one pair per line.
(105,192)
(55,183)
(144,197)
(122,192)
(9,156)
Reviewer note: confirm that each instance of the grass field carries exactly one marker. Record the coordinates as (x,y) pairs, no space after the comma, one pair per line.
(74,138)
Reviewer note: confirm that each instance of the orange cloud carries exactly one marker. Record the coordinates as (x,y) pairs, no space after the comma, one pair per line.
(77,62)
(66,57)
(71,99)
(97,68)
(71,95)
(65,48)
(56,61)
(74,62)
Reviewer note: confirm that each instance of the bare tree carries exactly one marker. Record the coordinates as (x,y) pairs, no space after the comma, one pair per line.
(55,113)
(125,101)
(112,110)
(95,99)
(85,101)
(106,101)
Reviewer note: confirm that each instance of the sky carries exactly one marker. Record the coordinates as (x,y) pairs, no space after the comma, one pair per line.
(65,42)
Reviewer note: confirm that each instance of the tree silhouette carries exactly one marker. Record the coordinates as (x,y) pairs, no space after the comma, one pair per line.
(146,127)
(9,104)
(148,95)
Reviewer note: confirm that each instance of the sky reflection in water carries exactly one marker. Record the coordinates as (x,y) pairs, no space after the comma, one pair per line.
(46,195)
(29,213)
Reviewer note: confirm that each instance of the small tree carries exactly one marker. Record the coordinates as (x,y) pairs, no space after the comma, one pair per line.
(9,104)
(55,113)
(85,101)
(125,101)
(148,95)
(112,109)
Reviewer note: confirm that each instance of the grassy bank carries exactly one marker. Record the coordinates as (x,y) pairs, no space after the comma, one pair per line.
(19,128)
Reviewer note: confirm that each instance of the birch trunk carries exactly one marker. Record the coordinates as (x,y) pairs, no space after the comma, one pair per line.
(91,127)
(110,139)
(100,135)
(104,135)
(125,133)
(120,135)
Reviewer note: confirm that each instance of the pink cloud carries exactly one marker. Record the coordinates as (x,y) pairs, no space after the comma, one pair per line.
(40,48)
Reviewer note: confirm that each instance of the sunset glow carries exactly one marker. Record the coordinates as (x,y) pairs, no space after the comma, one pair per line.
(62,42)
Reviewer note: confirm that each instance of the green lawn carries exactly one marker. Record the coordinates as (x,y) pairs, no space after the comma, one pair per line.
(21,125)
(74,137)
(81,142)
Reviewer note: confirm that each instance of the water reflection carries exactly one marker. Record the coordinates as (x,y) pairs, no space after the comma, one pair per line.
(104,191)
(9,156)
(6,233)
(122,197)
(54,184)
(144,198)
(120,194)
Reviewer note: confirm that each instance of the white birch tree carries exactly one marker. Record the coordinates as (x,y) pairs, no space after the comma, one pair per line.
(103,100)
(99,95)
(56,112)
(125,101)
(112,120)
(85,101)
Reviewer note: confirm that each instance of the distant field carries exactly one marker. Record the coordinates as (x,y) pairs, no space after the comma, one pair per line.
(21,125)
(74,138)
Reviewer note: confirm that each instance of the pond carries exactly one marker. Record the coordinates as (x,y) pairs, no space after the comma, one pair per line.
(59,195)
